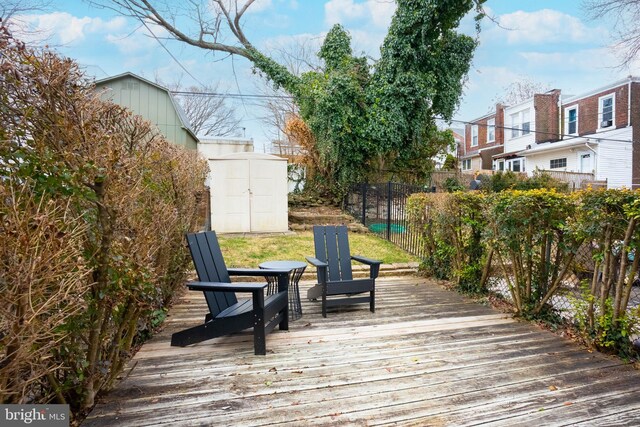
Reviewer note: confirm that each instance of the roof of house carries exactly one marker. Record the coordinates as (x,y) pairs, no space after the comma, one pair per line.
(507,154)
(184,120)
(556,146)
(574,98)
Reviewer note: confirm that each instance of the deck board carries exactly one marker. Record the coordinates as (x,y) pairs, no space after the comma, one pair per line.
(427,356)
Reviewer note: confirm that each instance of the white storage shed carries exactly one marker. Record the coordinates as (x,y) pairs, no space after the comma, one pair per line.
(248,193)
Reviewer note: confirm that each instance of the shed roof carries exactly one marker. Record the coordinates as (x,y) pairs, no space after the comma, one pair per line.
(248,156)
(184,120)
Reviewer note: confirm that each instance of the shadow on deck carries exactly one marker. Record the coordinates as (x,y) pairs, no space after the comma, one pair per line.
(427,357)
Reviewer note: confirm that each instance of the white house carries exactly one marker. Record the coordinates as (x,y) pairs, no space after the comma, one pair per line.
(597,135)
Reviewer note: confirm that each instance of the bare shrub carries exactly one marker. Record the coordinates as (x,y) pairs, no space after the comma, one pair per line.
(44,278)
(101,196)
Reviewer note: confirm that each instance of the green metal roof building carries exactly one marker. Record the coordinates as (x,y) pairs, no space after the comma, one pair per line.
(151,101)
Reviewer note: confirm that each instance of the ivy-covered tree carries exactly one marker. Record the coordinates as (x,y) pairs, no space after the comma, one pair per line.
(367,119)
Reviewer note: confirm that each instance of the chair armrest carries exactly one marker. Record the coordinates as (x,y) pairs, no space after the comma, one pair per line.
(364,260)
(261,272)
(322,269)
(374,265)
(316,262)
(226,287)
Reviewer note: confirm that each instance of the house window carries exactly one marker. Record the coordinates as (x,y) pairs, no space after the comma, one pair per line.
(606,110)
(572,121)
(558,163)
(466,164)
(520,123)
(501,165)
(515,165)
(474,135)
(526,124)
(515,125)
(491,130)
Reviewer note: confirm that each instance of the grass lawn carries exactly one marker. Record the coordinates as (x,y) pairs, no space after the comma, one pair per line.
(248,252)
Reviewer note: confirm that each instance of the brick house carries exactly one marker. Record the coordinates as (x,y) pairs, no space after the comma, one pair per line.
(594,134)
(483,139)
(531,122)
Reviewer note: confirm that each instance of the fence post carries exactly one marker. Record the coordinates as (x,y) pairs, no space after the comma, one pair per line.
(389,184)
(364,204)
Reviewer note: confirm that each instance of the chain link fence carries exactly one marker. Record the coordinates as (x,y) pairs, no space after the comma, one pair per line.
(572,290)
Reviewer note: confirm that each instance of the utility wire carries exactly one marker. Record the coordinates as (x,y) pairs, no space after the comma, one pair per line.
(170,54)
(229,95)
(563,136)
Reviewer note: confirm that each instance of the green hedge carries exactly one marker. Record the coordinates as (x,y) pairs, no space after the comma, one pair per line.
(94,204)
(450,226)
(528,239)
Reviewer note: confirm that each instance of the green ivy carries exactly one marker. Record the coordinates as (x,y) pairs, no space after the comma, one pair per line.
(373,120)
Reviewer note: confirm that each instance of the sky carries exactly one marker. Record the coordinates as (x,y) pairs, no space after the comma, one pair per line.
(552,43)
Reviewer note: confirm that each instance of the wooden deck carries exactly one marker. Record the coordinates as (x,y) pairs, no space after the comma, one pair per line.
(427,357)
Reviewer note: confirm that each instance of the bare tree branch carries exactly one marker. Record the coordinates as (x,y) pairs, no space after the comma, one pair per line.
(298,56)
(207,109)
(626,14)
(518,91)
(208,27)
(12,12)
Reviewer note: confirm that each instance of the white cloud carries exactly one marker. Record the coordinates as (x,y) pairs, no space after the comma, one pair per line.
(378,13)
(367,21)
(585,59)
(65,27)
(338,11)
(260,6)
(381,12)
(546,26)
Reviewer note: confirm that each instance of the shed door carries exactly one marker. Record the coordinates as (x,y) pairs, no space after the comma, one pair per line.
(268,195)
(231,197)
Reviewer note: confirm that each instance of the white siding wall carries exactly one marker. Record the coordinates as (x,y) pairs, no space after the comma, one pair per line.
(520,142)
(542,161)
(151,103)
(614,160)
(614,163)
(611,160)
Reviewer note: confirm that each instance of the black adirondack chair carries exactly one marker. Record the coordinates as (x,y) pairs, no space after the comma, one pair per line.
(227,314)
(335,277)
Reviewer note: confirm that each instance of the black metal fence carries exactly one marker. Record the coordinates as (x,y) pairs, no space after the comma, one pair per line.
(383,209)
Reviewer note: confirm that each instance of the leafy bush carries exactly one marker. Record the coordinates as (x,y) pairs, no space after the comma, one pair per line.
(531,238)
(608,220)
(508,180)
(528,233)
(450,163)
(93,207)
(451,227)
(452,184)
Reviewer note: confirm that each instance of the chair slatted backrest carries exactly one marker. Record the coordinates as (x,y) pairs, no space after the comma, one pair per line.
(332,246)
(209,263)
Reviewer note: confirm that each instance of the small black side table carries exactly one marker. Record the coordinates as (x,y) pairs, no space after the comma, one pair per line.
(296,268)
